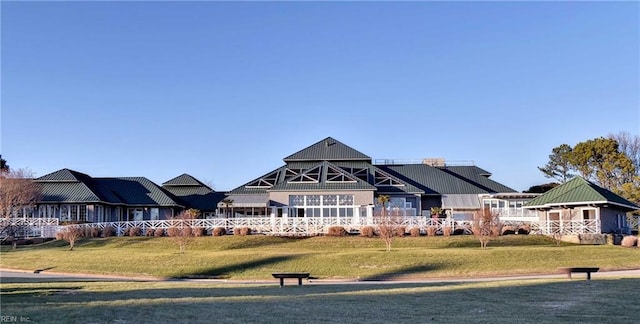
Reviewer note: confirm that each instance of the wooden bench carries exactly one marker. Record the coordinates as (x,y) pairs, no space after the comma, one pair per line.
(284,275)
(586,270)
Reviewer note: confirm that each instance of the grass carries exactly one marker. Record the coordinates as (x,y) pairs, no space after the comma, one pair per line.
(525,301)
(256,257)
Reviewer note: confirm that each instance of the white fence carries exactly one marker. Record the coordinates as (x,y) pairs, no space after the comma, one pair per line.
(307,226)
(28,227)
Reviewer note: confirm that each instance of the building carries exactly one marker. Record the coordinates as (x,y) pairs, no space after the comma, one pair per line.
(332,180)
(580,206)
(72,196)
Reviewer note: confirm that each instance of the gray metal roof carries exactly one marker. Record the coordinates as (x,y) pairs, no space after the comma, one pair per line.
(477,177)
(136,191)
(184,180)
(328,149)
(432,180)
(68,186)
(198,197)
(66,192)
(63,175)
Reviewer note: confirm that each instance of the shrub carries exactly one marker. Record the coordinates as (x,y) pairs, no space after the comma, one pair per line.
(336,231)
(71,234)
(629,241)
(59,236)
(108,231)
(446,231)
(158,232)
(366,231)
(245,231)
(400,231)
(219,231)
(135,231)
(172,231)
(431,231)
(198,231)
(150,232)
(414,231)
(506,230)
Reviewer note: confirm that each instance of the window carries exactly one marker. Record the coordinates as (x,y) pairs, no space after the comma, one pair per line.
(321,205)
(345,200)
(313,200)
(330,200)
(588,214)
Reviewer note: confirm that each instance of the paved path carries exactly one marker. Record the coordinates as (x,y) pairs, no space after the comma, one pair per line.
(22,276)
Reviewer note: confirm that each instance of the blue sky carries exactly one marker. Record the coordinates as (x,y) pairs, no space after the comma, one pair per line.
(224,91)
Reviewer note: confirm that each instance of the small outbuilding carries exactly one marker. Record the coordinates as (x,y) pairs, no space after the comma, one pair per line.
(582,207)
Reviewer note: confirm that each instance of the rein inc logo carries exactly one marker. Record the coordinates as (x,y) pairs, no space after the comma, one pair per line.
(14,319)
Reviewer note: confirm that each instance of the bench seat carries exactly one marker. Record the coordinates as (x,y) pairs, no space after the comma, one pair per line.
(587,270)
(285,275)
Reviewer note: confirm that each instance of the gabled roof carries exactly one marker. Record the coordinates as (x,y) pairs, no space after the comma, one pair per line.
(69,186)
(322,176)
(433,180)
(184,180)
(328,149)
(579,191)
(66,192)
(136,191)
(192,193)
(261,184)
(64,175)
(477,177)
(199,198)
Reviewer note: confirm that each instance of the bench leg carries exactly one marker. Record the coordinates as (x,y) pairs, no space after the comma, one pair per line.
(588,275)
(569,274)
(299,281)
(281,282)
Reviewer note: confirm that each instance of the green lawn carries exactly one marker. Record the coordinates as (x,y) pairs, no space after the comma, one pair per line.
(256,257)
(524,301)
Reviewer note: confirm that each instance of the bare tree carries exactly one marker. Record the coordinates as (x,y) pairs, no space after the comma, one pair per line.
(629,145)
(181,231)
(18,195)
(387,223)
(70,234)
(486,225)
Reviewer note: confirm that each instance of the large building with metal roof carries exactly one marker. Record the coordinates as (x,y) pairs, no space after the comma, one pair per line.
(331,179)
(72,196)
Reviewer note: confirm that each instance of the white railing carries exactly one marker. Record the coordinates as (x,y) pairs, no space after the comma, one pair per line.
(516,214)
(566,227)
(28,227)
(306,226)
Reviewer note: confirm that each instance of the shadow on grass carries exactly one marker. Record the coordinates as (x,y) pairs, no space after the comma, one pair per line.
(93,242)
(257,242)
(404,273)
(227,271)
(558,301)
(37,291)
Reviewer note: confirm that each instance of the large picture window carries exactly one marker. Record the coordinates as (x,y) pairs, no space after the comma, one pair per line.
(322,205)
